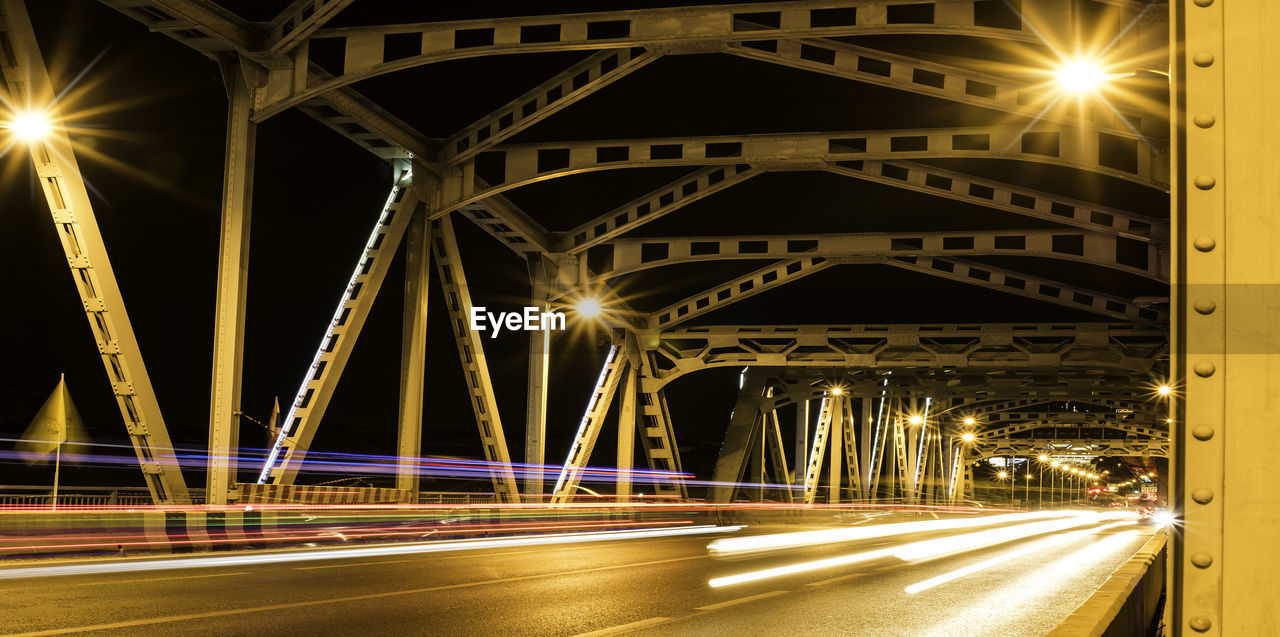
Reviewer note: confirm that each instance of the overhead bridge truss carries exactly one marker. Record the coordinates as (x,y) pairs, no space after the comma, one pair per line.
(973,347)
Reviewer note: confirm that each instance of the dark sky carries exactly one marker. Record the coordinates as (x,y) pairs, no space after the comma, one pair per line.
(317,195)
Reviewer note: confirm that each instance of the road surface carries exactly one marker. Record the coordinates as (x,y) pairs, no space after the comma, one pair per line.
(648,586)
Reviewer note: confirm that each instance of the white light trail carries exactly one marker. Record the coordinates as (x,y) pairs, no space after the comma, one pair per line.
(1034,547)
(803,567)
(256,559)
(776,541)
(927,549)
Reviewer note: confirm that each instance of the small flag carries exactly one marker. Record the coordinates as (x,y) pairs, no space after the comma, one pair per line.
(57,423)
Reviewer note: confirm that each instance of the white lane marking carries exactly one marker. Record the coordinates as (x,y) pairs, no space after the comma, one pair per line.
(332,600)
(312,568)
(741,600)
(156,579)
(622,628)
(842,578)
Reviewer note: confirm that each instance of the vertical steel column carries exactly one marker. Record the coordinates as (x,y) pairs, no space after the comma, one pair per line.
(853,470)
(1227,315)
(29,87)
(627,424)
(836,434)
(778,453)
(657,432)
(813,467)
(878,445)
(413,351)
(732,461)
(802,438)
(864,455)
(900,452)
(453,281)
(233,281)
(535,424)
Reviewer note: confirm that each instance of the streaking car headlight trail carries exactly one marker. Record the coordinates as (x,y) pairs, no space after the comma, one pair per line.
(927,549)
(1041,545)
(776,541)
(371,551)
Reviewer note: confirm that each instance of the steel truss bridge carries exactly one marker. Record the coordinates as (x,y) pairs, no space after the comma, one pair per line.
(881,410)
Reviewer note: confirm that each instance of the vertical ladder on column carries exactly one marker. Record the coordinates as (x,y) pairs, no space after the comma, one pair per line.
(877,447)
(307,408)
(853,469)
(813,470)
(615,364)
(900,455)
(953,480)
(657,433)
(28,84)
(782,474)
(457,296)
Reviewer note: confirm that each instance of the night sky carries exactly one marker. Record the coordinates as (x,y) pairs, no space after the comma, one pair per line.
(317,195)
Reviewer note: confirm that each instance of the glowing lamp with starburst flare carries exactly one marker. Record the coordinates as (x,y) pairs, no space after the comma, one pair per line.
(30,126)
(1081,76)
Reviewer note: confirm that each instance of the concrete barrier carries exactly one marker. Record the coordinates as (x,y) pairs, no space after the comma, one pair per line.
(1130,602)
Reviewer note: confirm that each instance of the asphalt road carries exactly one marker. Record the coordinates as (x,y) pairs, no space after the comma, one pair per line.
(654,586)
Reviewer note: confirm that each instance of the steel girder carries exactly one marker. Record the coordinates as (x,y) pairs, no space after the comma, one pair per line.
(28,86)
(1038,428)
(962,407)
(942,81)
(1082,418)
(1086,447)
(629,216)
(544,100)
(1082,148)
(770,277)
(632,255)
(298,21)
(678,29)
(1012,198)
(973,347)
(1032,287)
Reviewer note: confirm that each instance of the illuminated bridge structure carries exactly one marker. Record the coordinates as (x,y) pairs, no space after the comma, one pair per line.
(1040,200)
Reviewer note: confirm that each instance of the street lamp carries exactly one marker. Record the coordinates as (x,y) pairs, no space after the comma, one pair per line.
(1081,76)
(837,391)
(588,307)
(915,419)
(970,421)
(1164,390)
(968,436)
(30,126)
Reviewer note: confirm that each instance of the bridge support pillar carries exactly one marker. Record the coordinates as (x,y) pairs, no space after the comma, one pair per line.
(233,279)
(535,427)
(1227,316)
(413,352)
(802,439)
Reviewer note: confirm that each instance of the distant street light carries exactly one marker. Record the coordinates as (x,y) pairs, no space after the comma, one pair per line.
(915,419)
(970,421)
(836,391)
(968,436)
